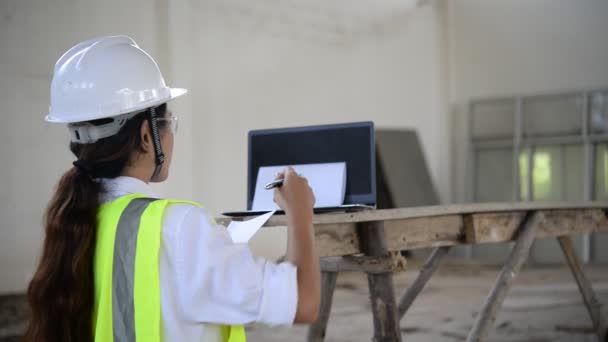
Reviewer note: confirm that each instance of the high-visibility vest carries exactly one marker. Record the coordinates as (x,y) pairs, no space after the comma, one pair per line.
(126,272)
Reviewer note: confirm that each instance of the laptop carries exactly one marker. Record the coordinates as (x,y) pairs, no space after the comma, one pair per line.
(353,143)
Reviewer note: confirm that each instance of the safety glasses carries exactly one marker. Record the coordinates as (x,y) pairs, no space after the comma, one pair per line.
(171,120)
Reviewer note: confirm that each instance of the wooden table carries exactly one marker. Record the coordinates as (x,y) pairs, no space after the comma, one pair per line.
(370,242)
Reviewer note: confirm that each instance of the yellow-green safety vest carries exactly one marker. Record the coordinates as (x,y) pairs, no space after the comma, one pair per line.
(126,272)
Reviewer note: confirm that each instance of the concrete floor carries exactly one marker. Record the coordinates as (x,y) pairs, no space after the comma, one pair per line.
(543,305)
(13,316)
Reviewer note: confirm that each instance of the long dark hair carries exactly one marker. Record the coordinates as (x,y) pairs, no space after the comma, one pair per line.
(61,292)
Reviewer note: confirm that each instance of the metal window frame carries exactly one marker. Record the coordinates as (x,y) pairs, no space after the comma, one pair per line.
(588,172)
(519,142)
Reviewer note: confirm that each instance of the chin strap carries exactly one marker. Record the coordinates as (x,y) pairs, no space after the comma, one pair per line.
(159,156)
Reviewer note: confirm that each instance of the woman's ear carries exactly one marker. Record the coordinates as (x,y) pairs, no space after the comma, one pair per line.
(146,137)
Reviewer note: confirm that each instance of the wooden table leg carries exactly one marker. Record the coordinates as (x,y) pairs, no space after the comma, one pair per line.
(381,291)
(316,332)
(591,302)
(519,255)
(427,270)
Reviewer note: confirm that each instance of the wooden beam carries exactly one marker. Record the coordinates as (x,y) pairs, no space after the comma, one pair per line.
(317,331)
(591,302)
(403,234)
(405,229)
(501,227)
(336,239)
(438,210)
(451,230)
(519,255)
(381,291)
(427,270)
(424,232)
(392,263)
(492,227)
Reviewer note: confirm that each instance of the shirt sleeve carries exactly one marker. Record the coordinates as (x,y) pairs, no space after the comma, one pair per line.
(218,281)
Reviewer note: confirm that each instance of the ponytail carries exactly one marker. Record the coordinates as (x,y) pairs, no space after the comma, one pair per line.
(60,294)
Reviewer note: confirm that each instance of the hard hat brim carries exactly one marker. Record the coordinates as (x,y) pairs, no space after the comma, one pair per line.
(173,94)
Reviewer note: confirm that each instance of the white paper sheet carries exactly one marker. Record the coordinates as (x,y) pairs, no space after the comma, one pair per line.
(243,231)
(328,183)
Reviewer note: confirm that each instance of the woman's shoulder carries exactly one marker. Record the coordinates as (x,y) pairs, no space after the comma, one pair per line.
(190,222)
(185,213)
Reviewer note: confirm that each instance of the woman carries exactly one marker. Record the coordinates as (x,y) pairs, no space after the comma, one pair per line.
(120,264)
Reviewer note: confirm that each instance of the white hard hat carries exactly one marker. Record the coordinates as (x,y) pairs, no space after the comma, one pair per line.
(106,77)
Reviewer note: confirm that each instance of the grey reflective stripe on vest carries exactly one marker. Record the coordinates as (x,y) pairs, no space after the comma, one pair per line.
(123,270)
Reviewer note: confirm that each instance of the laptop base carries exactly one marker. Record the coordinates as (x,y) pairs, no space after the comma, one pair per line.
(346,208)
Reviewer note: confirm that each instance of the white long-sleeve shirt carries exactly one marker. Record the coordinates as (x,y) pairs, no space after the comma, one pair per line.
(206,279)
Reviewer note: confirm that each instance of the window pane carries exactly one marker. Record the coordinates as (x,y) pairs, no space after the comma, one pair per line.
(493,119)
(600,240)
(574,173)
(600,252)
(495,253)
(598,112)
(601,172)
(552,115)
(548,251)
(557,176)
(524,170)
(494,175)
(557,173)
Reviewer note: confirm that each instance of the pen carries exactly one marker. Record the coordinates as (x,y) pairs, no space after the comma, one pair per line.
(274,184)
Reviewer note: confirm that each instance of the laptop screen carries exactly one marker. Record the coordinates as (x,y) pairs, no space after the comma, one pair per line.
(352,143)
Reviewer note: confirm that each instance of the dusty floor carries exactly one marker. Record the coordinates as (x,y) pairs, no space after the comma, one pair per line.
(543,305)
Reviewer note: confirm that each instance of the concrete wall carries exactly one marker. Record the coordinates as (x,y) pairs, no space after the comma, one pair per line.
(272,63)
(506,48)
(247,64)
(310,64)
(33,34)
(282,63)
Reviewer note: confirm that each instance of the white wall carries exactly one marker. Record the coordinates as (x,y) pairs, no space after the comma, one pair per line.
(515,47)
(247,64)
(506,48)
(34,154)
(311,63)
(271,63)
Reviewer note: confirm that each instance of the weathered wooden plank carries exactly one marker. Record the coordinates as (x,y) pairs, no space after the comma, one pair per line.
(381,291)
(500,227)
(492,227)
(316,332)
(427,270)
(393,262)
(450,230)
(429,211)
(519,255)
(591,302)
(404,234)
(336,239)
(424,232)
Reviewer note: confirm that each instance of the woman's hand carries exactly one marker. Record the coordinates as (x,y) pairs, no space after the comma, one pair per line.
(295,196)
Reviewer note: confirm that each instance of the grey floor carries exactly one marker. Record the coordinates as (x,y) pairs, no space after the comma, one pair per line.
(13,315)
(544,305)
